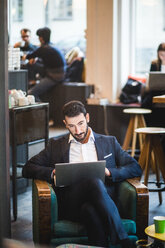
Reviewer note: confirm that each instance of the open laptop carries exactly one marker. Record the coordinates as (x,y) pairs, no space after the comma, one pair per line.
(69,173)
(156,81)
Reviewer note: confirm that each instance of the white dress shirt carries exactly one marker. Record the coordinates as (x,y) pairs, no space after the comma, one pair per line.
(162,68)
(82,152)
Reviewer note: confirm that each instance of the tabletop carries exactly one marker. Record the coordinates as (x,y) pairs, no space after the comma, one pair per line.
(150,231)
(159,99)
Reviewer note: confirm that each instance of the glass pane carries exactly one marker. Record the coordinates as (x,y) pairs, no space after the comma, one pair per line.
(150,32)
(17,10)
(62,9)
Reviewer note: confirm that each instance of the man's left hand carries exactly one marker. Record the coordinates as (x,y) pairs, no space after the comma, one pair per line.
(107,172)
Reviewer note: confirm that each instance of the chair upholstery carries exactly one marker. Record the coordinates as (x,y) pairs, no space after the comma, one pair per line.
(132,201)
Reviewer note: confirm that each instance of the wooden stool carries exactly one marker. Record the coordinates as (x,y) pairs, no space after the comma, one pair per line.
(136,121)
(152,148)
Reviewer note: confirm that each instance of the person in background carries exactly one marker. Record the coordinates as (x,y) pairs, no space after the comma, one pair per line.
(25,45)
(156,65)
(89,201)
(154,119)
(159,63)
(75,65)
(48,62)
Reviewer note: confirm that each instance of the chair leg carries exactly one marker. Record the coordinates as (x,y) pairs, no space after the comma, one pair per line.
(157,175)
(160,160)
(160,156)
(129,134)
(142,157)
(134,135)
(148,152)
(142,122)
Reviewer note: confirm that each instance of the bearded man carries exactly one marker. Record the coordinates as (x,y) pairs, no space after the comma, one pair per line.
(89,201)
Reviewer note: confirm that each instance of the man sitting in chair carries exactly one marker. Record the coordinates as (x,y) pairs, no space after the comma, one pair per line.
(89,201)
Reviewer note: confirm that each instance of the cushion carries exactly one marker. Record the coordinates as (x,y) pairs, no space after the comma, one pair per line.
(66,228)
(129,226)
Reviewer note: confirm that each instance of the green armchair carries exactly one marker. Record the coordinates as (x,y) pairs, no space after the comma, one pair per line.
(132,199)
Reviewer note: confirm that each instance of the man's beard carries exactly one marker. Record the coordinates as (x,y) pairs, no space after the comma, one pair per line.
(79,137)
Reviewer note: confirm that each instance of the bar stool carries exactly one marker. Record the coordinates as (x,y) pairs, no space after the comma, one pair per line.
(136,121)
(152,149)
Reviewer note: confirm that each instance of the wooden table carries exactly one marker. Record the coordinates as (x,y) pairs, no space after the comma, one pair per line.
(159,238)
(159,99)
(27,124)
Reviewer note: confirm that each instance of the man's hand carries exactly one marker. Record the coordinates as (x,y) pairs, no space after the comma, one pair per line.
(54,176)
(107,172)
(54,172)
(23,57)
(32,61)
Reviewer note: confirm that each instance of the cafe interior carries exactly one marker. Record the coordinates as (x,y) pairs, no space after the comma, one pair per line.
(111,69)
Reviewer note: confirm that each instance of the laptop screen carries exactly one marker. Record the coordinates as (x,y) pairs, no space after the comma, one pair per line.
(70,173)
(156,81)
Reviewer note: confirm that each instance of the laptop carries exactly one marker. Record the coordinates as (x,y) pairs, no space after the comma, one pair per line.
(156,81)
(70,173)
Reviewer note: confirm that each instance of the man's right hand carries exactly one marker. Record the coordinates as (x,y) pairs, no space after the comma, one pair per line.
(54,176)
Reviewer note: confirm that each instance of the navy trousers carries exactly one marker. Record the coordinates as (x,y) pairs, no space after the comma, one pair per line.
(88,202)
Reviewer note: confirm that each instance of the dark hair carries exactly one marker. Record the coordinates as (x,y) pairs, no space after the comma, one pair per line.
(25,30)
(73,108)
(44,33)
(161,47)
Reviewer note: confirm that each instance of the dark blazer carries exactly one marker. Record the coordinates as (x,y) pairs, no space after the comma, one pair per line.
(119,162)
(155,65)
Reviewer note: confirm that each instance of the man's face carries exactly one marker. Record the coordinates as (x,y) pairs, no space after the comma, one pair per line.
(25,36)
(77,126)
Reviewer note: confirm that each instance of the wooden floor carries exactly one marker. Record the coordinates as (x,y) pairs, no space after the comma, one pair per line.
(22,228)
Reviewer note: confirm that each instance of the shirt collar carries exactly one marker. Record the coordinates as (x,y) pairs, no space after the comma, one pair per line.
(91,138)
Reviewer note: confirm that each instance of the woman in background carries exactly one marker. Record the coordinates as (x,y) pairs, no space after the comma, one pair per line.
(159,63)
(156,65)
(155,119)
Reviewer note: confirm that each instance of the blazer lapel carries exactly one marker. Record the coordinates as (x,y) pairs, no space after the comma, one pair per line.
(99,146)
(65,149)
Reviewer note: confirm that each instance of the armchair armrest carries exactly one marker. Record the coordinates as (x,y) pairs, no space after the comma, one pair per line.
(41,201)
(142,206)
(133,203)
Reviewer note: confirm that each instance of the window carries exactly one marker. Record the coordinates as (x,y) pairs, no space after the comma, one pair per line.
(150,32)
(17,10)
(61,9)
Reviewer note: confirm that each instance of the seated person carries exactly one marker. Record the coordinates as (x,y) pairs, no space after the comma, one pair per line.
(75,65)
(156,65)
(47,61)
(25,45)
(159,63)
(90,202)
